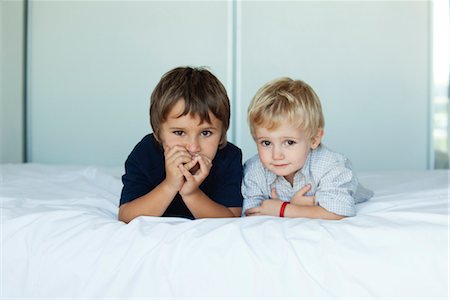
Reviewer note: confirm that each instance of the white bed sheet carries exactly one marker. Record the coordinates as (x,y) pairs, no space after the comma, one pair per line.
(60,238)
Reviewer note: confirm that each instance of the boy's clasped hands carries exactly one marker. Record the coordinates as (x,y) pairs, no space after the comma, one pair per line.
(272,206)
(185,171)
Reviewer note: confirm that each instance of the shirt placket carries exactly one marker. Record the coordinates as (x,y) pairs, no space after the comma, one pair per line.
(300,181)
(283,188)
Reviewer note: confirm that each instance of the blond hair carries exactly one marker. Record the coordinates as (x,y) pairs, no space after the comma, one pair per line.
(285,99)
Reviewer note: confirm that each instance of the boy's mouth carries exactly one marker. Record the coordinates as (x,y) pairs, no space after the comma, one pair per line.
(194,169)
(280,165)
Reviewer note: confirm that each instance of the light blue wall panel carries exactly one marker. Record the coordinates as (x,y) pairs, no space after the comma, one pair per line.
(94,64)
(367,61)
(11,81)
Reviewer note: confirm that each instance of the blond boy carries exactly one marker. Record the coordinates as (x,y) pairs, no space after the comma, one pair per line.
(294,175)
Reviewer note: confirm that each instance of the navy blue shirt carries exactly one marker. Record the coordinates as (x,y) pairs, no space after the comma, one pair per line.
(145,169)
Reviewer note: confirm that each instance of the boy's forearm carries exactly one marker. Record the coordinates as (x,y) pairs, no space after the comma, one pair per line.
(201,206)
(153,203)
(309,211)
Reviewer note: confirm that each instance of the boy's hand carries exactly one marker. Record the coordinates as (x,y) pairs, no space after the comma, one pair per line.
(270,207)
(198,175)
(174,157)
(300,199)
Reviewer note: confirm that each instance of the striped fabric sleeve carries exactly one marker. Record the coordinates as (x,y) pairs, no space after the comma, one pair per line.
(252,185)
(336,189)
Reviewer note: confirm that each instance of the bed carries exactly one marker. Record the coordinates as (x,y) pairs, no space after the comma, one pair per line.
(60,238)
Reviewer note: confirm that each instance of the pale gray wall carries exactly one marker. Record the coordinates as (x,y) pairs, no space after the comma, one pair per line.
(92,66)
(369,62)
(11,80)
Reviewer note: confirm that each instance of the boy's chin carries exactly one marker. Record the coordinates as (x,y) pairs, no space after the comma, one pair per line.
(281,172)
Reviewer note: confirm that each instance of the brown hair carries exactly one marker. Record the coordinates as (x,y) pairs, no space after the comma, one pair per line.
(201,91)
(286,99)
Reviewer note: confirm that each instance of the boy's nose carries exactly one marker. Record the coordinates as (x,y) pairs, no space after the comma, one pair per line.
(277,153)
(193,146)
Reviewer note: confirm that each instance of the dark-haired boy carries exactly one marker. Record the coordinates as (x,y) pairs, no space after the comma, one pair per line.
(186,168)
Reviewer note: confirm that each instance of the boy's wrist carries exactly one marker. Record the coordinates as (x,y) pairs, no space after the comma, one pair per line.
(283,209)
(190,195)
(169,188)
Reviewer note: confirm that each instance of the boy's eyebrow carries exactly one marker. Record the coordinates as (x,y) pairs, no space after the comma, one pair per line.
(172,128)
(210,127)
(282,137)
(182,128)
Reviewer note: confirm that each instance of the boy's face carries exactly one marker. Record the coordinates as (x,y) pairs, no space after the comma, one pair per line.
(186,131)
(283,150)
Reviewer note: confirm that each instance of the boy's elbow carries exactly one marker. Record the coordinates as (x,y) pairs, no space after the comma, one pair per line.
(235,211)
(122,214)
(337,217)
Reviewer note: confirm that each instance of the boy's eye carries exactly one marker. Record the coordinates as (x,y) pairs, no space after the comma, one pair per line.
(178,132)
(290,142)
(265,143)
(206,133)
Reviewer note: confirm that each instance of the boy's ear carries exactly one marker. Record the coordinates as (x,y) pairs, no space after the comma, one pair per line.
(315,141)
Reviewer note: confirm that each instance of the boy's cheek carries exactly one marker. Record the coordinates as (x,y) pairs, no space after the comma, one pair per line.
(263,158)
(168,146)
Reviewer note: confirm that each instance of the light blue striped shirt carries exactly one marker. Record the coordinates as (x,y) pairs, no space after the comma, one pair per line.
(333,182)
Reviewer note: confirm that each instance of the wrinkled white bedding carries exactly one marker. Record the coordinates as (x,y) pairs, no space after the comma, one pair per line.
(60,238)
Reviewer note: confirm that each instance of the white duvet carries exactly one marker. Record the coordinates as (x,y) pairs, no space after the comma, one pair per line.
(60,238)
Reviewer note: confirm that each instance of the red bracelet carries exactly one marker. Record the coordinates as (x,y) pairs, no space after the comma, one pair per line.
(283,207)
